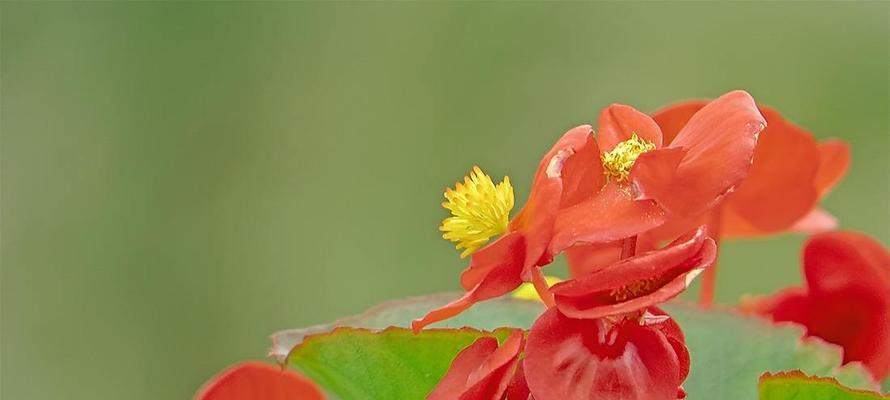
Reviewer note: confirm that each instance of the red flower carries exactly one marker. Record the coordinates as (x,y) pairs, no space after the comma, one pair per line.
(581,194)
(581,359)
(791,173)
(684,174)
(483,371)
(254,380)
(638,282)
(846,300)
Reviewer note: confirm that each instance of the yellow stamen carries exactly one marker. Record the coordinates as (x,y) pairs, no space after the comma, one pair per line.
(479,210)
(527,291)
(634,289)
(618,162)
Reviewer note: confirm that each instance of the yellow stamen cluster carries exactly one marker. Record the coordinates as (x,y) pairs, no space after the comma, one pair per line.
(479,210)
(618,162)
(633,290)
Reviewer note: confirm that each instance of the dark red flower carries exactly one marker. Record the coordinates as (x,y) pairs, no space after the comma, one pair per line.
(595,190)
(846,300)
(483,371)
(255,380)
(582,359)
(638,282)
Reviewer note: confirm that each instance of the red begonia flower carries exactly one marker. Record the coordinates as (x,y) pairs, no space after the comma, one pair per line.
(684,174)
(846,300)
(582,359)
(637,282)
(595,190)
(790,174)
(255,380)
(482,371)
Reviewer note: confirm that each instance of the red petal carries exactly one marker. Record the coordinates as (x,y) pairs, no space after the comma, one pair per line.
(790,304)
(492,256)
(619,122)
(588,258)
(255,380)
(568,359)
(675,336)
(674,117)
(719,141)
(834,161)
(668,272)
(536,219)
(454,383)
(481,371)
(582,173)
(499,279)
(585,259)
(610,216)
(780,188)
(840,260)
(518,388)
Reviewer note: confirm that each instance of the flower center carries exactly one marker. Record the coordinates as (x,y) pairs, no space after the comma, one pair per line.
(618,162)
(479,210)
(633,290)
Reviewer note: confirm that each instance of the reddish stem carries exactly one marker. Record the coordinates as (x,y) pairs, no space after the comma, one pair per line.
(540,284)
(709,280)
(629,247)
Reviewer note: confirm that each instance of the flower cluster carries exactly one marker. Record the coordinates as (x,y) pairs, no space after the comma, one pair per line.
(639,208)
(604,336)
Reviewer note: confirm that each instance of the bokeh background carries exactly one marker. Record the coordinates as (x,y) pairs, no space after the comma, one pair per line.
(179,180)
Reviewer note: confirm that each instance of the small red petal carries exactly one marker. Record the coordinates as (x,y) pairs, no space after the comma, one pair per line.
(482,371)
(674,117)
(834,161)
(582,173)
(498,280)
(611,215)
(255,380)
(619,122)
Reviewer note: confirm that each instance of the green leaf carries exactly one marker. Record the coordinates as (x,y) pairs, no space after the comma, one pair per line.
(729,351)
(390,364)
(795,385)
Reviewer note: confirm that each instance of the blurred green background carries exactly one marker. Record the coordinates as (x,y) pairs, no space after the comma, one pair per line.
(181,180)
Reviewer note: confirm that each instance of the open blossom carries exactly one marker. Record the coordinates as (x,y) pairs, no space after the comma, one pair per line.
(581,359)
(255,380)
(637,282)
(846,299)
(790,174)
(594,189)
